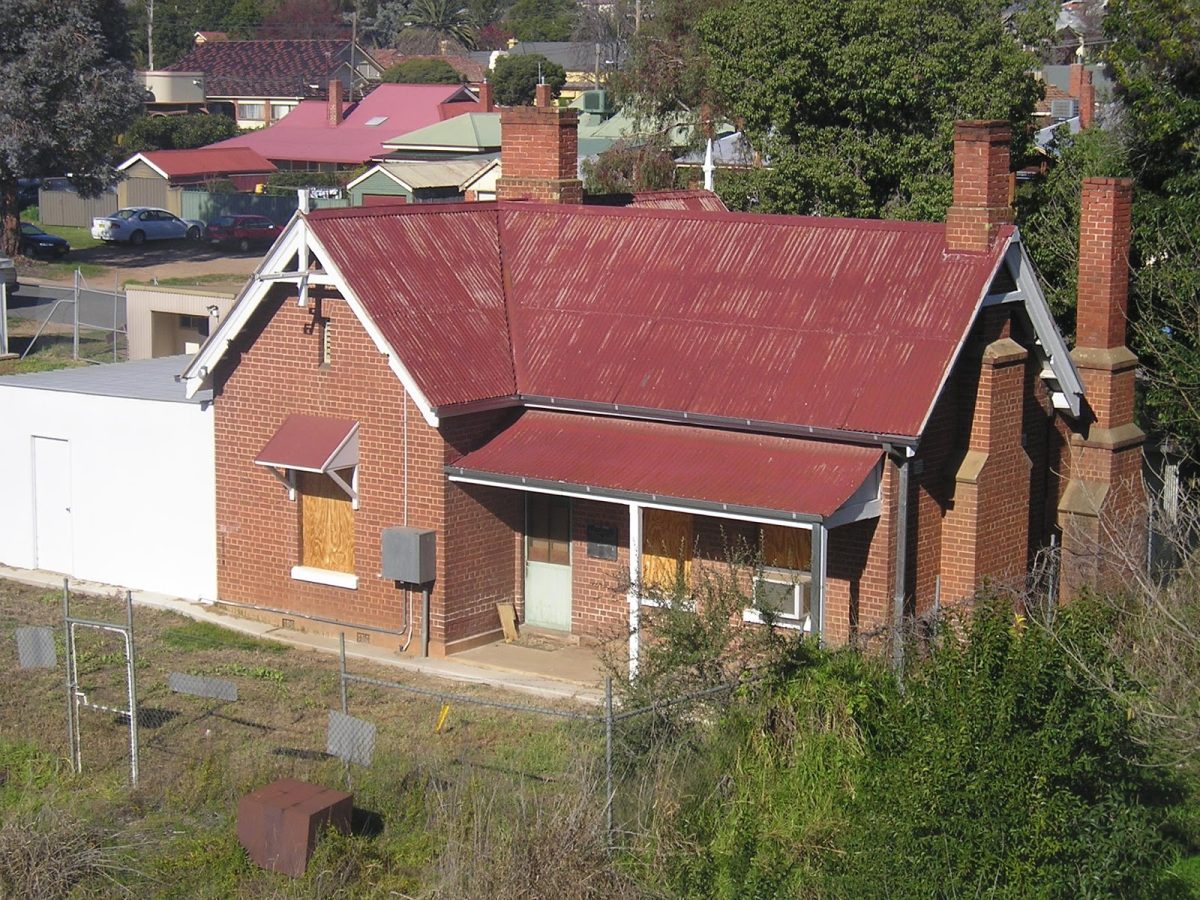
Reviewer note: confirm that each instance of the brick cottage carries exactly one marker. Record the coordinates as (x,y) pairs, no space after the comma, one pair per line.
(580,401)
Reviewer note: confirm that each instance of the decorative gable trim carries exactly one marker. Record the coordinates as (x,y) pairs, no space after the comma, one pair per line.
(141,157)
(297,242)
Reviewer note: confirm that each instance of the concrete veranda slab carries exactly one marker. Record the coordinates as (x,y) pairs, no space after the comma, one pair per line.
(575,678)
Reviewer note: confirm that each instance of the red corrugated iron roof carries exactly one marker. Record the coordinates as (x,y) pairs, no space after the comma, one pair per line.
(309,443)
(210,161)
(833,324)
(682,199)
(665,463)
(304,134)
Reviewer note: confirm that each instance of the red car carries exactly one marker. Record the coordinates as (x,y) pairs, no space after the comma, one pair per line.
(242,231)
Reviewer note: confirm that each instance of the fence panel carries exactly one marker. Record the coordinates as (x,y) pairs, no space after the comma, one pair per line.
(70,209)
(278,208)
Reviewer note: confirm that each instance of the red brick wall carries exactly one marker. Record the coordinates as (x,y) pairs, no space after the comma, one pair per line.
(860,570)
(539,157)
(599,607)
(982,184)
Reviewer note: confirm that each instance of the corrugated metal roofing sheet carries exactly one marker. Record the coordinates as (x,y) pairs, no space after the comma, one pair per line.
(839,324)
(210,161)
(675,462)
(432,284)
(306,442)
(142,379)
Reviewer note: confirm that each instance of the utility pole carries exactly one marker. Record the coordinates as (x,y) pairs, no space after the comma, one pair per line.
(637,16)
(150,35)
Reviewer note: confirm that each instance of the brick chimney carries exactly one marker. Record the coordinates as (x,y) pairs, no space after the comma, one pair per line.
(485,97)
(1079,86)
(539,152)
(1104,503)
(337,97)
(982,185)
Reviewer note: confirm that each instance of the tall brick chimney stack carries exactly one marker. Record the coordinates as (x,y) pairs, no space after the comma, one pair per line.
(1104,502)
(486,103)
(1079,86)
(539,152)
(337,97)
(982,185)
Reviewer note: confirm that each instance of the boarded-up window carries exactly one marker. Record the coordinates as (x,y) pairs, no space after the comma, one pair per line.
(326,523)
(548,529)
(666,549)
(787,548)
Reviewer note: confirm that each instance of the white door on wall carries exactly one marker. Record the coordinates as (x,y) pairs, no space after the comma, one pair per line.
(548,561)
(52,504)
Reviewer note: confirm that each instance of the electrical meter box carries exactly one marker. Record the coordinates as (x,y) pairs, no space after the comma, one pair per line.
(409,555)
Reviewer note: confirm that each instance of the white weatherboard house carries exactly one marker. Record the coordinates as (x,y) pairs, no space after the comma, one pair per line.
(109,477)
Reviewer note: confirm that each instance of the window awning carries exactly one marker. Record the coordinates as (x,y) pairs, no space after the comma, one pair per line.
(312,444)
(708,470)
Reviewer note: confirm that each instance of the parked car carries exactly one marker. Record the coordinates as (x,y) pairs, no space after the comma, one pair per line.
(242,231)
(8,273)
(139,224)
(35,242)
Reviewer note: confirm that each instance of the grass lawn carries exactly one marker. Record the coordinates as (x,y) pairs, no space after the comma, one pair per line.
(429,794)
(230,283)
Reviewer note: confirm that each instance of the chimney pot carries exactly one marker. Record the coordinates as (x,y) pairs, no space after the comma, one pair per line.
(542,96)
(485,97)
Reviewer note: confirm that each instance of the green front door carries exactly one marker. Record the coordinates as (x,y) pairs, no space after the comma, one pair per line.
(548,561)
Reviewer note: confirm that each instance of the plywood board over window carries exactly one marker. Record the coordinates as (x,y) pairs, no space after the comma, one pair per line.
(327,524)
(667,545)
(787,548)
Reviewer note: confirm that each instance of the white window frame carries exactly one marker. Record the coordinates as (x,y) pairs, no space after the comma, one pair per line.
(279,110)
(801,584)
(243,107)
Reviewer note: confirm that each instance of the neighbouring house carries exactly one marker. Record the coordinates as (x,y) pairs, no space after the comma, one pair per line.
(471,70)
(169,321)
(1075,96)
(588,64)
(159,177)
(331,135)
(559,406)
(413,182)
(111,477)
(258,83)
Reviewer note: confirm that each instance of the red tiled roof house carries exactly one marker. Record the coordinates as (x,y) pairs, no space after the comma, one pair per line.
(572,398)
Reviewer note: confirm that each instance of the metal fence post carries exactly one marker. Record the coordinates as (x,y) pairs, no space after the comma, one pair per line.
(342,670)
(66,603)
(608,761)
(116,283)
(75,352)
(133,706)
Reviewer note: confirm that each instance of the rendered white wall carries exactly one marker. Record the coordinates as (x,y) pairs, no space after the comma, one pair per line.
(143,496)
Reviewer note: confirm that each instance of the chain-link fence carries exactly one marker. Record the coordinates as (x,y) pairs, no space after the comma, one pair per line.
(85,322)
(219,714)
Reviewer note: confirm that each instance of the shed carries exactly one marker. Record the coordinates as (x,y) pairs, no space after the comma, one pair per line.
(165,321)
(110,477)
(414,182)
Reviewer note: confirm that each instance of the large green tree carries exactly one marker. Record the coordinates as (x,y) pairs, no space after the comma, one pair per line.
(543,20)
(422,70)
(514,80)
(854,101)
(177,132)
(66,91)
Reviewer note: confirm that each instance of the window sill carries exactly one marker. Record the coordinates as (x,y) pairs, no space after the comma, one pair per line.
(805,624)
(325,576)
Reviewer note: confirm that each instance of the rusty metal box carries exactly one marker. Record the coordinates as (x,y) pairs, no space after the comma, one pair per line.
(279,824)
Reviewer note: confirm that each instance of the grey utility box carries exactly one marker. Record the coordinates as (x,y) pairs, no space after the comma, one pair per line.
(409,555)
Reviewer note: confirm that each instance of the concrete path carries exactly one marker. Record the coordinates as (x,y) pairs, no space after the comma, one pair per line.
(495,665)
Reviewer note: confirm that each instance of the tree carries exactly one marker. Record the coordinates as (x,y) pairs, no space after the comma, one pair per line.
(177,132)
(515,78)
(624,169)
(304,20)
(447,19)
(542,20)
(422,71)
(859,97)
(66,91)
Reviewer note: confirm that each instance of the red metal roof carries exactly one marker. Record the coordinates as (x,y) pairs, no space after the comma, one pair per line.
(309,443)
(305,135)
(208,161)
(683,199)
(663,463)
(839,324)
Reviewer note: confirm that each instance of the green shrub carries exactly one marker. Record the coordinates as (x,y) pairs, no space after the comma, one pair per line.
(1006,770)
(422,70)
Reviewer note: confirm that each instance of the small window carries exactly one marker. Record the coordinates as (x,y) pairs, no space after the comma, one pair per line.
(548,529)
(783,585)
(279,110)
(250,111)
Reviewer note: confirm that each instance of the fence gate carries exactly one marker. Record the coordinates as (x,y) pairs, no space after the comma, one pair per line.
(77,699)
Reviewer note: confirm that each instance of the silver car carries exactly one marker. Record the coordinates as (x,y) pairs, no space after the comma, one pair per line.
(139,224)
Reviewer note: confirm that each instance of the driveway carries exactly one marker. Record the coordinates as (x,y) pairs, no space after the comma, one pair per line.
(153,260)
